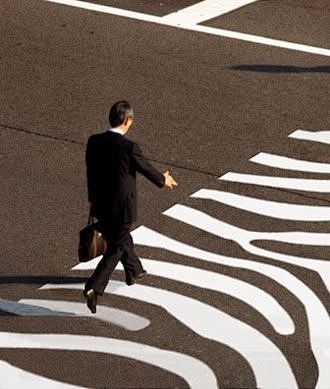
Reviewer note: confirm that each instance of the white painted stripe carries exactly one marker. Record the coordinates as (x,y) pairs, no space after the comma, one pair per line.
(147,237)
(287,163)
(205,10)
(245,239)
(128,321)
(317,315)
(309,185)
(196,373)
(12,378)
(273,209)
(268,363)
(318,136)
(258,299)
(196,28)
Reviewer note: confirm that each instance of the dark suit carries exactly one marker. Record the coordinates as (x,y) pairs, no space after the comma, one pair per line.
(112,163)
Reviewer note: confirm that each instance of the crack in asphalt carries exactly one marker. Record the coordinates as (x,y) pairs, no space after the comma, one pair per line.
(67,140)
(194,170)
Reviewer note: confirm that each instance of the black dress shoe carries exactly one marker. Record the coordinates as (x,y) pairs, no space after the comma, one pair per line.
(91,297)
(130,280)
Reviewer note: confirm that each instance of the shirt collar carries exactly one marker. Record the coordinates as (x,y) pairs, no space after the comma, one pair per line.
(116,130)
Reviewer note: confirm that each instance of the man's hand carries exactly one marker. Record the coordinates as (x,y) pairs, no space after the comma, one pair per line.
(169,181)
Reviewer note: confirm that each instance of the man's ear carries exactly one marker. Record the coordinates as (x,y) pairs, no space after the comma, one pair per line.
(128,122)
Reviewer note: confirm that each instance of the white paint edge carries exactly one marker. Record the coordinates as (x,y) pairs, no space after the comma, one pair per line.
(194,27)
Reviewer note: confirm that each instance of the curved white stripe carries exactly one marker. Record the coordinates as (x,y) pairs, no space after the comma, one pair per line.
(244,238)
(12,378)
(320,186)
(296,237)
(278,161)
(274,209)
(316,136)
(196,373)
(318,316)
(127,320)
(264,303)
(147,237)
(268,363)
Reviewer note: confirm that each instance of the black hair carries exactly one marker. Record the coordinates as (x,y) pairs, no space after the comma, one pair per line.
(119,112)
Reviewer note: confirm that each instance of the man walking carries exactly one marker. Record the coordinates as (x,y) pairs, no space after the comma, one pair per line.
(112,162)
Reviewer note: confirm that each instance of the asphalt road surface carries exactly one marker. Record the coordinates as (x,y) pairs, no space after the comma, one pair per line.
(237,294)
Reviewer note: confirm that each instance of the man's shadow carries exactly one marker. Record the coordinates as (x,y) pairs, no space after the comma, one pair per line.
(281,69)
(14,308)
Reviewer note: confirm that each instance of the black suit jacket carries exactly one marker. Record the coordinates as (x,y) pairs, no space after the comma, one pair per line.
(112,163)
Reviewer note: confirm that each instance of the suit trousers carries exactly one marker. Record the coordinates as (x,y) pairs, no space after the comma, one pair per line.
(120,247)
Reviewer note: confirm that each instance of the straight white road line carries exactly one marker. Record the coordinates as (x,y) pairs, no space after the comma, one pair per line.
(195,27)
(205,10)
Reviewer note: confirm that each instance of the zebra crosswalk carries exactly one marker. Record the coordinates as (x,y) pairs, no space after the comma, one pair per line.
(264,350)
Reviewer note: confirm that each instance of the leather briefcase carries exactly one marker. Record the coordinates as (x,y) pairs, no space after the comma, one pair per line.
(91,241)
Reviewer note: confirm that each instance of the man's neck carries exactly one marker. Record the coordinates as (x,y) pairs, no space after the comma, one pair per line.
(117,130)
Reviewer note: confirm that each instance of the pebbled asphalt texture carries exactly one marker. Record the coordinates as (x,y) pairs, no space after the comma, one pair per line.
(204,105)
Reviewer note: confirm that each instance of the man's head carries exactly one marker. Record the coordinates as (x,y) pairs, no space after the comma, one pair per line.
(121,115)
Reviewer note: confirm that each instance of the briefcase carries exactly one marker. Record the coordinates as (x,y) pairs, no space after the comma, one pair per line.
(91,241)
